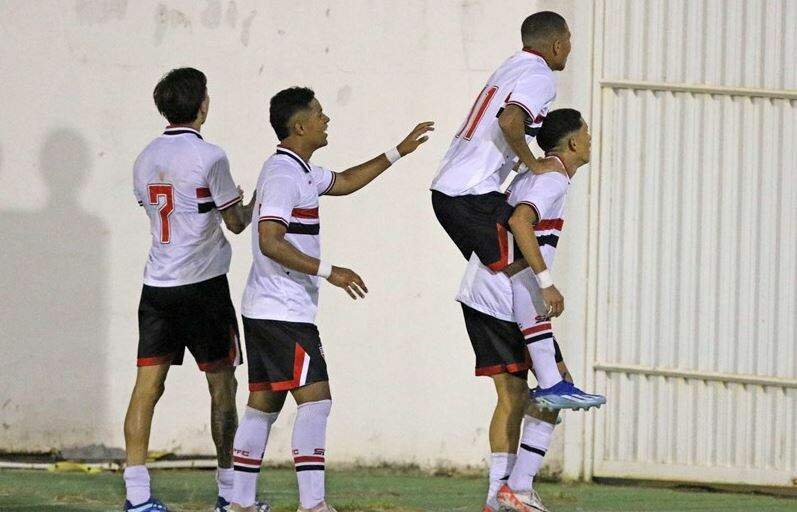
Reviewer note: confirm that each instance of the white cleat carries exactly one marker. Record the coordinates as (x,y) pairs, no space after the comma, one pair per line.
(259,506)
(321,507)
(516,501)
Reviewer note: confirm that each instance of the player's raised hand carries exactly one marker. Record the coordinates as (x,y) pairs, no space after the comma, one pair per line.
(349,281)
(554,300)
(415,138)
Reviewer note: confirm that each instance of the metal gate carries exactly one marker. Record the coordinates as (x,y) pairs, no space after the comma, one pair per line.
(692,324)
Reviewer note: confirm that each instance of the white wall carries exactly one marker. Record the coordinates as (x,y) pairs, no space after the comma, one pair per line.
(77,80)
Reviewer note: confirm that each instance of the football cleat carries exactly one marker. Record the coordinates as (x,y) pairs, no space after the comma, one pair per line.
(223,505)
(321,507)
(564,395)
(151,505)
(516,501)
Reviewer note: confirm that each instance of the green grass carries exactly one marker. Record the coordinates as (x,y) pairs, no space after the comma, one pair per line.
(360,490)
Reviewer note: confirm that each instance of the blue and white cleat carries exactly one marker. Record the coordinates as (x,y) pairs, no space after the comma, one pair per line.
(565,395)
(222,505)
(152,504)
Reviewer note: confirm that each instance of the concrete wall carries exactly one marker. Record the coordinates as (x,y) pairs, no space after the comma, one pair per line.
(77,82)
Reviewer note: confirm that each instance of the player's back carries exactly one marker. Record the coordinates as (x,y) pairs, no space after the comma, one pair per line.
(479,158)
(182,182)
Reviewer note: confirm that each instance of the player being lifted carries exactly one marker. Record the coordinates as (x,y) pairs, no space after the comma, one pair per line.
(184,185)
(284,351)
(490,303)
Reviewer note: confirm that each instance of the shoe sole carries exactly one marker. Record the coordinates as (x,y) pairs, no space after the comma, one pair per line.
(574,406)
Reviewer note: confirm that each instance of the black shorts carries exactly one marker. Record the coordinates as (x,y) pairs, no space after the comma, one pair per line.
(477,223)
(199,316)
(499,345)
(283,355)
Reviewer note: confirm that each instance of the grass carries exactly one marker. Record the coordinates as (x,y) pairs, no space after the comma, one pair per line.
(361,490)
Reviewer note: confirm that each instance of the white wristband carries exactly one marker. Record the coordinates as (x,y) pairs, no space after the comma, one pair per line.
(324,269)
(392,155)
(544,279)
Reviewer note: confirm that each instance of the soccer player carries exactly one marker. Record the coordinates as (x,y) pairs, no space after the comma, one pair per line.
(185,187)
(538,203)
(490,301)
(508,113)
(284,351)
(466,193)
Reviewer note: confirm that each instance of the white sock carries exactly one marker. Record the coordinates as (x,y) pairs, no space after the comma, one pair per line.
(309,449)
(500,467)
(137,484)
(538,334)
(248,449)
(225,478)
(533,445)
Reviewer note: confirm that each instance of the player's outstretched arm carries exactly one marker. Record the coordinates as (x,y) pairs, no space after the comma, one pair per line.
(513,125)
(355,178)
(271,238)
(239,215)
(522,225)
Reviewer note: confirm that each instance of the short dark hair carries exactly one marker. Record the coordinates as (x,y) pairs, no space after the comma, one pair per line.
(542,26)
(558,124)
(286,103)
(180,93)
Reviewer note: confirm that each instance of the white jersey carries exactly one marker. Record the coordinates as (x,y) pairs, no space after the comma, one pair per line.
(287,191)
(183,182)
(546,193)
(485,290)
(491,292)
(479,158)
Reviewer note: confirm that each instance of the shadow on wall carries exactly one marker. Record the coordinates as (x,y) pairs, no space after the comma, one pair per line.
(54,314)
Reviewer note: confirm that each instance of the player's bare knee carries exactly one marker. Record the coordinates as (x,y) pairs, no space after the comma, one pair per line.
(314,392)
(267,401)
(548,416)
(512,393)
(148,391)
(223,388)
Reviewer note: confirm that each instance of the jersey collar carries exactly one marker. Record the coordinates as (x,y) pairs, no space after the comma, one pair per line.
(535,54)
(563,166)
(290,154)
(180,130)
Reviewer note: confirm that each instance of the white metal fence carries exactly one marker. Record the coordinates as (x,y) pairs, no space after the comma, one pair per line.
(693,288)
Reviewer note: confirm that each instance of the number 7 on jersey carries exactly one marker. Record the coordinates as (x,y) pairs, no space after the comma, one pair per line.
(164,190)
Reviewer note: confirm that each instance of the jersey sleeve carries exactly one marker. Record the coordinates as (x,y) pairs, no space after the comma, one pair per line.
(532,93)
(279,194)
(323,178)
(221,185)
(542,193)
